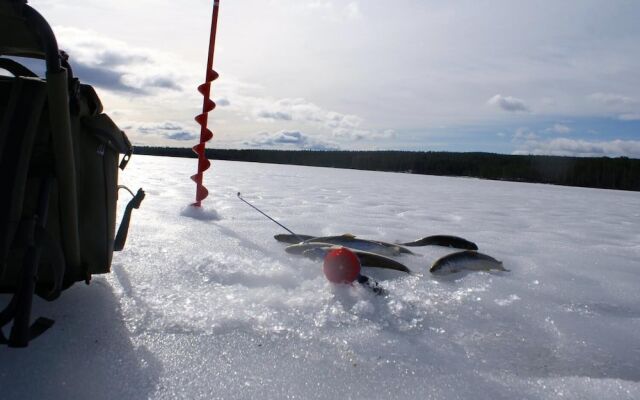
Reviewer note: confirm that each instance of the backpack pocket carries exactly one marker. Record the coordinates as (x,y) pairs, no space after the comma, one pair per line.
(100,144)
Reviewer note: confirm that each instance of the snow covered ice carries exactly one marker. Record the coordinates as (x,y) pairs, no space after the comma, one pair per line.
(206,304)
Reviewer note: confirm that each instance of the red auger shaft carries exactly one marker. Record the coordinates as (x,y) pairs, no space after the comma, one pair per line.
(207,105)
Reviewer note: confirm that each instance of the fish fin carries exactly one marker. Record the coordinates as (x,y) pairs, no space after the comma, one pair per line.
(417,242)
(502,268)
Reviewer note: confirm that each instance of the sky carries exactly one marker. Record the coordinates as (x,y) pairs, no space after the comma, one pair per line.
(542,77)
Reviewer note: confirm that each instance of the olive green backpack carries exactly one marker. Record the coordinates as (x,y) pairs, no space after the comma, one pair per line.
(59,161)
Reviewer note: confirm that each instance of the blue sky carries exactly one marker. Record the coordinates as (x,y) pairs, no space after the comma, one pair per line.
(542,77)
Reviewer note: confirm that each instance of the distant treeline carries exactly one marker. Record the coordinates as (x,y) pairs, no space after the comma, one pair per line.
(603,172)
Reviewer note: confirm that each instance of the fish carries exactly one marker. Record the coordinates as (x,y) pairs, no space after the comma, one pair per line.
(317,250)
(437,240)
(352,242)
(299,248)
(467,260)
(444,240)
(373,260)
(347,240)
(292,239)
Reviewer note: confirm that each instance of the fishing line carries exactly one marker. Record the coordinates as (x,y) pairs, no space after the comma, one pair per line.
(279,224)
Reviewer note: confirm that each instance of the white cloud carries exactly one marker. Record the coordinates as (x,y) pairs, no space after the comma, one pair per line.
(559,129)
(624,108)
(508,103)
(156,127)
(612,99)
(300,111)
(352,10)
(113,65)
(329,10)
(582,148)
(388,134)
(288,140)
(321,4)
(294,114)
(273,115)
(116,66)
(524,134)
(154,133)
(182,135)
(630,117)
(222,102)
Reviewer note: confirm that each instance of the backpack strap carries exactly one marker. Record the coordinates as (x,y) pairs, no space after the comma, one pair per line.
(19,308)
(123,230)
(63,150)
(6,316)
(18,129)
(56,265)
(16,68)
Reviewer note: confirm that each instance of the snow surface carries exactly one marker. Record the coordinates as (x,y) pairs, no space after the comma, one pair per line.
(206,304)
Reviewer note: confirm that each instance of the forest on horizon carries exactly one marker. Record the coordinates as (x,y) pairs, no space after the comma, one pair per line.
(620,173)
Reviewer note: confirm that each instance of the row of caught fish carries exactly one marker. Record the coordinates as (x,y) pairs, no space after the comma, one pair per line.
(376,254)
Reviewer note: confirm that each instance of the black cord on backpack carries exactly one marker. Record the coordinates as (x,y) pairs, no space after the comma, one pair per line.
(123,230)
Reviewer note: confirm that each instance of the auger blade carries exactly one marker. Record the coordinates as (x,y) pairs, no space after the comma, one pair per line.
(207,106)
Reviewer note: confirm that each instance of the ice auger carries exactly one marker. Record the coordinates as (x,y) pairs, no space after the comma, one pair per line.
(207,105)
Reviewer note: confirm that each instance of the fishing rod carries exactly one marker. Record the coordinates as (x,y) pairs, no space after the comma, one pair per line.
(279,224)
